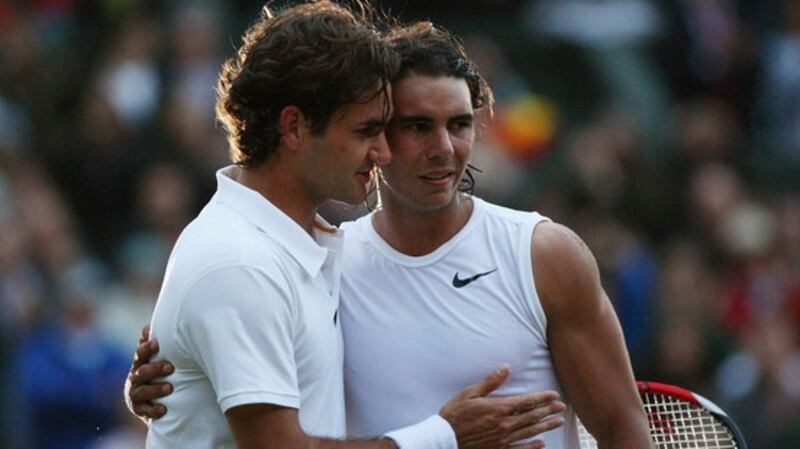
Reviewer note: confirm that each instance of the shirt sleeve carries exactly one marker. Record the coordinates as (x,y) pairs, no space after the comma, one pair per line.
(432,433)
(237,323)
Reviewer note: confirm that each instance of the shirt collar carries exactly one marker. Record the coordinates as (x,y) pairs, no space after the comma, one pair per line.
(256,208)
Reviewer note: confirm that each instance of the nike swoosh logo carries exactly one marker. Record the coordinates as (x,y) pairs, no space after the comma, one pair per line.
(458,282)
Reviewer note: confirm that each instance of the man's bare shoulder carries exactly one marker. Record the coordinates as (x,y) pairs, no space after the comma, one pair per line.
(559,247)
(564,269)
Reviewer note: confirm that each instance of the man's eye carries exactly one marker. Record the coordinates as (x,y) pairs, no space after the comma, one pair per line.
(372,131)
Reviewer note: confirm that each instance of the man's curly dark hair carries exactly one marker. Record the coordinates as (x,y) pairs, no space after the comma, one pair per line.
(425,49)
(317,56)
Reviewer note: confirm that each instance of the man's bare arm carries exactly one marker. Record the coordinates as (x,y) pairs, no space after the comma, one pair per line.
(586,341)
(265,426)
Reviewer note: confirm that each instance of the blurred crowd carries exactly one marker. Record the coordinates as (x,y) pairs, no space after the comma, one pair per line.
(666,133)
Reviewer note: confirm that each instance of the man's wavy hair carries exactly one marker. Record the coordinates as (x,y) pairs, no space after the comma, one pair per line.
(317,56)
(427,50)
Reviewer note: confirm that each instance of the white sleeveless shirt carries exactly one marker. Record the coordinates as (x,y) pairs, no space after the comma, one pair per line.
(419,329)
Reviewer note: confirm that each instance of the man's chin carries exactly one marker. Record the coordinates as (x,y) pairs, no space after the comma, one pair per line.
(351,200)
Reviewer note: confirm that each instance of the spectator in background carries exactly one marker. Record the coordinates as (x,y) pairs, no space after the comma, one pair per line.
(97,172)
(761,380)
(712,192)
(193,138)
(69,375)
(519,133)
(55,238)
(21,289)
(129,81)
(778,101)
(613,37)
(165,203)
(688,292)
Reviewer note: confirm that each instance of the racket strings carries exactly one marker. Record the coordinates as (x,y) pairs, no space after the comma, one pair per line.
(676,424)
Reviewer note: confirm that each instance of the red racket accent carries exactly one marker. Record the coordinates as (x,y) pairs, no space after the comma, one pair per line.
(680,419)
(667,389)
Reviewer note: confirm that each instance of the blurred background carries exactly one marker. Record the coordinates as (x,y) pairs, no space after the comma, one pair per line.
(666,133)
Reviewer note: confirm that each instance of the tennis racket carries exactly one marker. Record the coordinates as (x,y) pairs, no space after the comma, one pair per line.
(681,419)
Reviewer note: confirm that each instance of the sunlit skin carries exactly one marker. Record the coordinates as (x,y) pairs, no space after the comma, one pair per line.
(309,169)
(352,144)
(431,136)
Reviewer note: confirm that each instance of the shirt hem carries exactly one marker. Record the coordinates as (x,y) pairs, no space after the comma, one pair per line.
(258,397)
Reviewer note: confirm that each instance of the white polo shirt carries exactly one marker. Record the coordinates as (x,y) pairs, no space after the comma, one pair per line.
(248,313)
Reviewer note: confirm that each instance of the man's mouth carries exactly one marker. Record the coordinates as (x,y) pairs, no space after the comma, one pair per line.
(437,177)
(364,175)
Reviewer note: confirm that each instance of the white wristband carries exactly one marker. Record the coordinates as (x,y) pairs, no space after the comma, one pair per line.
(432,433)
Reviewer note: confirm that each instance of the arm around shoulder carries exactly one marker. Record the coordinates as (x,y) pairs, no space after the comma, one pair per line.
(585,339)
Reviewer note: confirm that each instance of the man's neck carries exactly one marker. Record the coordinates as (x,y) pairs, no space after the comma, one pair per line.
(419,232)
(282,190)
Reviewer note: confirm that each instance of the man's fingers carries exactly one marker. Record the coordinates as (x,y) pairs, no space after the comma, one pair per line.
(486,385)
(146,394)
(151,411)
(535,444)
(525,402)
(145,334)
(537,414)
(514,405)
(151,371)
(145,352)
(544,425)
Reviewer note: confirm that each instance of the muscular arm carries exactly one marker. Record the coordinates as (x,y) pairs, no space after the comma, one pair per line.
(586,342)
(265,426)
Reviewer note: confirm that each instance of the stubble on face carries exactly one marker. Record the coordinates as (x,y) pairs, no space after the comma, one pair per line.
(344,156)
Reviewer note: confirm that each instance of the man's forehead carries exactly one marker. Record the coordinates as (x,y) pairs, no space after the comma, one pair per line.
(415,94)
(424,82)
(378,107)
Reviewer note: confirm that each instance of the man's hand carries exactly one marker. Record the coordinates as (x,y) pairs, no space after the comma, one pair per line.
(482,422)
(140,388)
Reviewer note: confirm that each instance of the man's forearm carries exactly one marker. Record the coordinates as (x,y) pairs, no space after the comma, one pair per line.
(375,443)
(634,434)
(264,426)
(628,442)
(431,433)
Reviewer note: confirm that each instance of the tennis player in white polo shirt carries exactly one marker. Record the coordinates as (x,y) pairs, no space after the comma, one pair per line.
(247,313)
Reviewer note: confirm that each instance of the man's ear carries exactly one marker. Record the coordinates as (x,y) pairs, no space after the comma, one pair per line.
(294,126)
